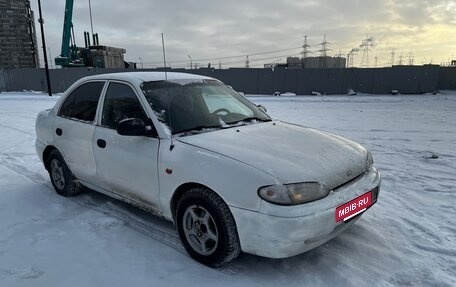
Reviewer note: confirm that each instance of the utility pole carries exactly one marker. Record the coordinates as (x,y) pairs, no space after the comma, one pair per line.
(305,52)
(366,46)
(305,47)
(324,47)
(410,58)
(191,61)
(46,67)
(400,60)
(350,56)
(392,57)
(247,62)
(339,55)
(324,52)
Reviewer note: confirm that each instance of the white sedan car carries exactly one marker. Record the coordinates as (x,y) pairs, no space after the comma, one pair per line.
(192,150)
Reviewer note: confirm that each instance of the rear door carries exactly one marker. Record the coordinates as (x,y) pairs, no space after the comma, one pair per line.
(74,127)
(126,165)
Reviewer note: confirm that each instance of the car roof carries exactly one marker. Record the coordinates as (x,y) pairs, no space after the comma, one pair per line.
(139,77)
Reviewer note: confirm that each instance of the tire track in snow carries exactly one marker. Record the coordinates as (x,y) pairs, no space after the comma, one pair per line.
(169,238)
(18,130)
(9,162)
(84,201)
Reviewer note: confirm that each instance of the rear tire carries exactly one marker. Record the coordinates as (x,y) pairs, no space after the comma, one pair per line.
(207,228)
(61,176)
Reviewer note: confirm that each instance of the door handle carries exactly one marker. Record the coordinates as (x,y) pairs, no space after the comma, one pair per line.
(101,143)
(59,131)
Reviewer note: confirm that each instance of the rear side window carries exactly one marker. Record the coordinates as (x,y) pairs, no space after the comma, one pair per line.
(82,103)
(120,103)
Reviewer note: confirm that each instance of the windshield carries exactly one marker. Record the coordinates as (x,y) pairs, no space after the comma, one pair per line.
(199,105)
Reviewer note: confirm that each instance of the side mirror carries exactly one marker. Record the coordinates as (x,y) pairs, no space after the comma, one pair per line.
(135,127)
(262,108)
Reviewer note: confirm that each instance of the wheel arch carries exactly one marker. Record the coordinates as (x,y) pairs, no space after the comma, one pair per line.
(46,153)
(181,190)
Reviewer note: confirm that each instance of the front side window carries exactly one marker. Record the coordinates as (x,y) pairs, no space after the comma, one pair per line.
(199,105)
(120,103)
(82,103)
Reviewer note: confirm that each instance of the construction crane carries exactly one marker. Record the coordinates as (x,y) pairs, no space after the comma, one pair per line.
(89,56)
(69,53)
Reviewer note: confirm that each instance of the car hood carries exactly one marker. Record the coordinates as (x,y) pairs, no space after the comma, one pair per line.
(290,153)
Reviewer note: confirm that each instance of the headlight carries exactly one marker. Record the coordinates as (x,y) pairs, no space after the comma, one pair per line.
(293,194)
(370,160)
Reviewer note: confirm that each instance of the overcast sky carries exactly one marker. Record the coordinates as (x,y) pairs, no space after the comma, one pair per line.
(214,29)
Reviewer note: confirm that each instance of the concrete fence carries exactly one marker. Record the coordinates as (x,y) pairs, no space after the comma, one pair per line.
(405,79)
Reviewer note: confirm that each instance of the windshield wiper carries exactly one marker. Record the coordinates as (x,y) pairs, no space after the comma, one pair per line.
(202,127)
(198,128)
(250,119)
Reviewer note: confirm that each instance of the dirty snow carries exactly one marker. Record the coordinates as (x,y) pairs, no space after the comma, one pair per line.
(407,239)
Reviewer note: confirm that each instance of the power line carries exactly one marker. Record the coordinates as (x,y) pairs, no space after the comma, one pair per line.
(228,57)
(262,59)
(242,62)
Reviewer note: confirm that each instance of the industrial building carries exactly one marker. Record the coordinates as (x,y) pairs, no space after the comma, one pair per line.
(96,55)
(105,57)
(18,46)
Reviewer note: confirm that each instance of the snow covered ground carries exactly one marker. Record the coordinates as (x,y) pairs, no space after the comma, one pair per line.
(407,239)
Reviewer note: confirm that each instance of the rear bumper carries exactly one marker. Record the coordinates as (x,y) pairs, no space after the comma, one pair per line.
(285,231)
(39,147)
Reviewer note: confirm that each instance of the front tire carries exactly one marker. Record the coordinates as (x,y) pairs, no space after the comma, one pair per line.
(61,176)
(207,228)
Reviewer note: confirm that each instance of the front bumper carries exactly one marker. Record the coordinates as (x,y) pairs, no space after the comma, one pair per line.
(284,231)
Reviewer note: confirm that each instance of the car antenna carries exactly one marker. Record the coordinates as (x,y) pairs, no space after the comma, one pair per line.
(166,89)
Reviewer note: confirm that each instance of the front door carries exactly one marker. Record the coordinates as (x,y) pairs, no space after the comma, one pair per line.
(126,165)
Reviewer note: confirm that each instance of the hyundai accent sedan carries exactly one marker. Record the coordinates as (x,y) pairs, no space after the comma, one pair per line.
(194,151)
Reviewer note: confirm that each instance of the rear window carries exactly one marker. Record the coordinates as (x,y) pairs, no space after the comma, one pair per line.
(82,103)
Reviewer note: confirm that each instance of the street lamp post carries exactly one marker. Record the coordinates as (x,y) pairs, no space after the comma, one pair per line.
(46,67)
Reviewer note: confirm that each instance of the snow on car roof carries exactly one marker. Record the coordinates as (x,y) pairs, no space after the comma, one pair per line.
(139,77)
